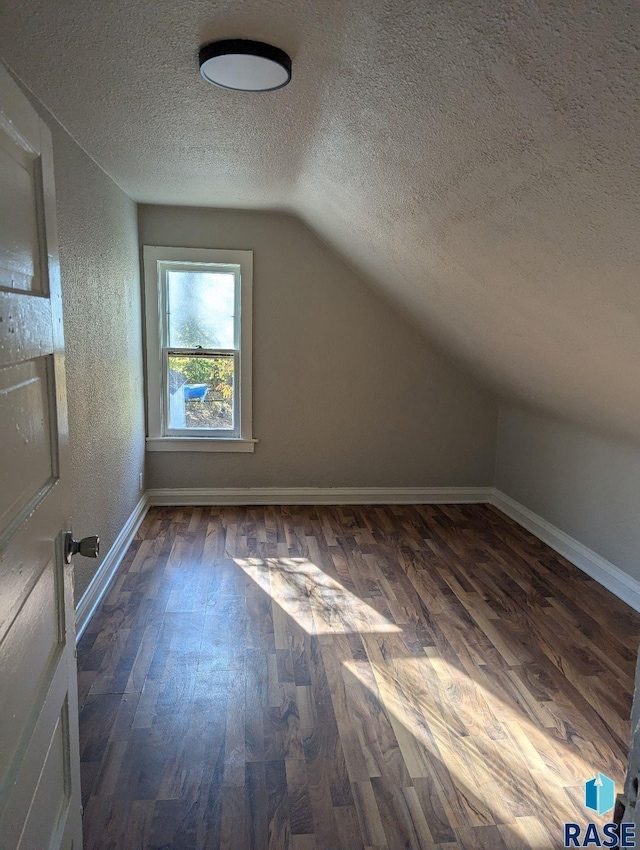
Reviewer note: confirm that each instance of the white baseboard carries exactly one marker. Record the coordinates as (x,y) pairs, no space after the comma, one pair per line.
(321,496)
(621,584)
(93,595)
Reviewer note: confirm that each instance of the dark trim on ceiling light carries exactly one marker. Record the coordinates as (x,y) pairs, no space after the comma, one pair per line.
(248,48)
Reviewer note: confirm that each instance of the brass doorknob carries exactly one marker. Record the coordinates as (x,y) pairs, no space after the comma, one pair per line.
(88,547)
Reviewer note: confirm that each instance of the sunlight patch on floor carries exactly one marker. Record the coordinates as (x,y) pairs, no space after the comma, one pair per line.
(498,759)
(313,599)
(492,762)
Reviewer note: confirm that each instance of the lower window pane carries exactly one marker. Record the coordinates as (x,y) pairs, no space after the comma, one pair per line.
(201,392)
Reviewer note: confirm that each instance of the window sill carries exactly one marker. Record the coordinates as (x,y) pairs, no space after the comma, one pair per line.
(199,444)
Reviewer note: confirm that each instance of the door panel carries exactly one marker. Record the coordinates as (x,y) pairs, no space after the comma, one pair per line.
(39,761)
(30,464)
(52,795)
(33,643)
(40,758)
(19,573)
(20,243)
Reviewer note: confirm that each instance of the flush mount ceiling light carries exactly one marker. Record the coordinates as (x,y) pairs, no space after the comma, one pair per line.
(243,65)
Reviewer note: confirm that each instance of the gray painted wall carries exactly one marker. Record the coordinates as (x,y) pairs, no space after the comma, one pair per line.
(102,322)
(346,391)
(585,484)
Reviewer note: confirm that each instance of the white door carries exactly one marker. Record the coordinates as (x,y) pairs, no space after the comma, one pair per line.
(39,762)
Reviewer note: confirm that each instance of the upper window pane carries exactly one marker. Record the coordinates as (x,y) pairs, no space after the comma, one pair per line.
(201,307)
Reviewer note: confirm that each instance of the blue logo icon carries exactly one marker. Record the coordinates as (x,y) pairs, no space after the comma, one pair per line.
(600,794)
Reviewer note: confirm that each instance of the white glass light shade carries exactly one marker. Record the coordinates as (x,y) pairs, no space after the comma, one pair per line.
(245,65)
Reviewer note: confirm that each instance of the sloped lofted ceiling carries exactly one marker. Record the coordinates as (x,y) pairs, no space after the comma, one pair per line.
(477,160)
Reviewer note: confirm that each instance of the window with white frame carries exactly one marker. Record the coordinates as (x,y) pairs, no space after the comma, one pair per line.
(198,353)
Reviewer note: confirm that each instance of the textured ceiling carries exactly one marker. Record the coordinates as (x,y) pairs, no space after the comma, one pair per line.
(478,160)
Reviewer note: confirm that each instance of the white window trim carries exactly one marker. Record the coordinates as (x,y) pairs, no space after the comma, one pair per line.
(156,439)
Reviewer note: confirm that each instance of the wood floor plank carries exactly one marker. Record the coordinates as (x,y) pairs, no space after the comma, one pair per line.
(348,678)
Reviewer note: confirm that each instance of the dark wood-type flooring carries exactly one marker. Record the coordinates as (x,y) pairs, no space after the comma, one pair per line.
(348,677)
